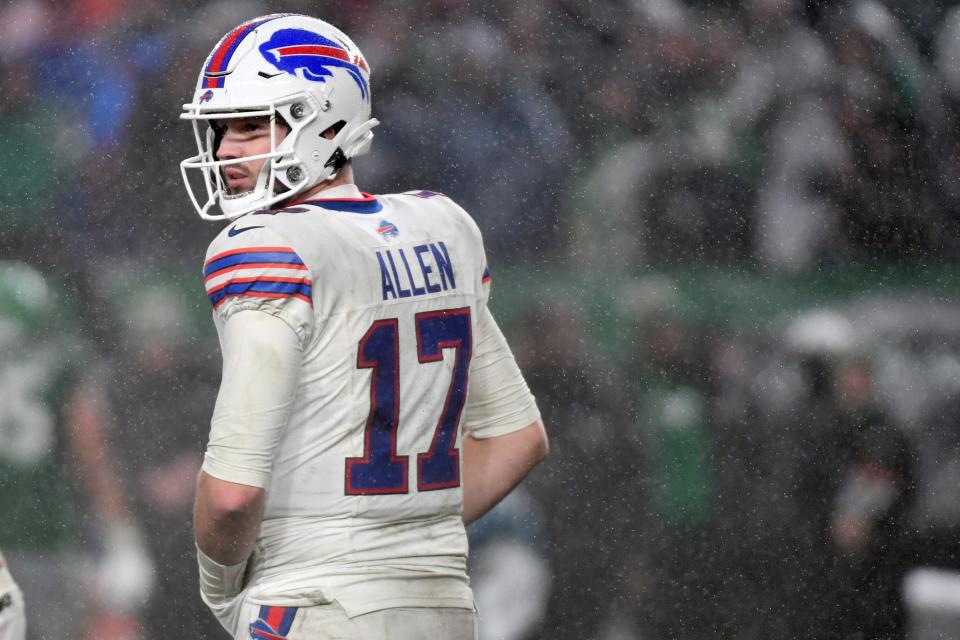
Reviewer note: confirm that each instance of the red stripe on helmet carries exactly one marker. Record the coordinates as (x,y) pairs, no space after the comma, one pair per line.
(216,62)
(314,50)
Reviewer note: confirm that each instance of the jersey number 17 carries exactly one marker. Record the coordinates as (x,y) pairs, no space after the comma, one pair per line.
(382,470)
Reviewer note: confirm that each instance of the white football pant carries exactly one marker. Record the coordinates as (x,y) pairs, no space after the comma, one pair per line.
(330,622)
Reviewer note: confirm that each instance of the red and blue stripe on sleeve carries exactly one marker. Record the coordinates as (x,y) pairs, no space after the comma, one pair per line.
(273,623)
(258,272)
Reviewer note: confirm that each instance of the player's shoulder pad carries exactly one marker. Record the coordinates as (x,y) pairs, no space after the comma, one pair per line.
(430,198)
(250,258)
(444,202)
(247,232)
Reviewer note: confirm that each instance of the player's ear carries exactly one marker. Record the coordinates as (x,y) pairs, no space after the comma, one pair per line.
(331,132)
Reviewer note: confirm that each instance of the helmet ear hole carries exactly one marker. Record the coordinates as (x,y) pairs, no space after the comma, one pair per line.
(338,159)
(331,132)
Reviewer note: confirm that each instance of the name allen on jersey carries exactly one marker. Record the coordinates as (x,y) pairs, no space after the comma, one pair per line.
(432,270)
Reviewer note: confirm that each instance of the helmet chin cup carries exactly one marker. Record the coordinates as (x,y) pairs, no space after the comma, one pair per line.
(293,69)
(236,205)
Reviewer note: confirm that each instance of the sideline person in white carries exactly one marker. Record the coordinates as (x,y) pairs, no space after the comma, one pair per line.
(369,406)
(13,624)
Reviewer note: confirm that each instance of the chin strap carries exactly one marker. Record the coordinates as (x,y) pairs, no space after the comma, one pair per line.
(336,162)
(233,205)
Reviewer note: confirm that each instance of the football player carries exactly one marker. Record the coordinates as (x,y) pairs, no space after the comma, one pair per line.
(369,405)
(56,470)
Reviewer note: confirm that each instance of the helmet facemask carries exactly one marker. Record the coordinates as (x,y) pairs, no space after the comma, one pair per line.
(280,177)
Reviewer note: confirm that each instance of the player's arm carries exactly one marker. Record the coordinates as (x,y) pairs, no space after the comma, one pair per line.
(125,572)
(226,518)
(492,467)
(86,425)
(261,363)
(505,437)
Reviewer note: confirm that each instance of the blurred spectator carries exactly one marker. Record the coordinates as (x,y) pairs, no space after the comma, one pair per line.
(163,394)
(671,188)
(868,523)
(891,115)
(590,487)
(786,71)
(61,491)
(494,142)
(817,480)
(508,571)
(947,51)
(702,211)
(842,447)
(32,162)
(24,26)
(669,384)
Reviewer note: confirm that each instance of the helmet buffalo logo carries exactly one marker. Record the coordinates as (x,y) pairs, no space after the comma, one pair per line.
(207,96)
(303,53)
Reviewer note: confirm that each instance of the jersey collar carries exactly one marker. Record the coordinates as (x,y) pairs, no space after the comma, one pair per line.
(347,198)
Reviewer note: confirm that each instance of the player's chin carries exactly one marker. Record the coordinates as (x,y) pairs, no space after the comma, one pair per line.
(238,187)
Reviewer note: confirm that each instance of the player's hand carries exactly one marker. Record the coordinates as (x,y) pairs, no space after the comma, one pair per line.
(125,574)
(113,626)
(850,534)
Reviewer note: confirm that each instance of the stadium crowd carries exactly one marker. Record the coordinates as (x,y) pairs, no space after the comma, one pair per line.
(774,477)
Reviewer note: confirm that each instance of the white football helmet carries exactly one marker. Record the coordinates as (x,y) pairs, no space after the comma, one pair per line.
(297,68)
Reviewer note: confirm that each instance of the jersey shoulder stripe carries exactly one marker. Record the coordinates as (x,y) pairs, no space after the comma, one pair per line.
(261,272)
(263,288)
(249,257)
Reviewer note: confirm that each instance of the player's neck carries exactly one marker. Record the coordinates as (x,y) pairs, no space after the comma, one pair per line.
(344,176)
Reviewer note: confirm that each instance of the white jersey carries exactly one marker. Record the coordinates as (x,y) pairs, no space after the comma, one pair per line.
(387,296)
